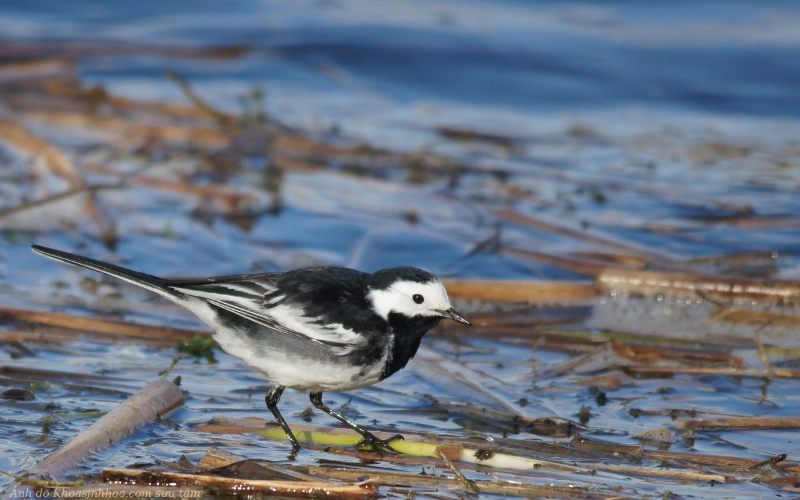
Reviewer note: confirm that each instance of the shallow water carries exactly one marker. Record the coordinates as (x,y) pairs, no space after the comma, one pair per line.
(671,128)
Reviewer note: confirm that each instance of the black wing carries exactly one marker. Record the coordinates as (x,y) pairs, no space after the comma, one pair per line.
(325,305)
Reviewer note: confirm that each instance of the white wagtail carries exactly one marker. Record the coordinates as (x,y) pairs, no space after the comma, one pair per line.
(312,330)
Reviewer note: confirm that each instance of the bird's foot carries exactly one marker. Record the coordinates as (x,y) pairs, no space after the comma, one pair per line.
(371,443)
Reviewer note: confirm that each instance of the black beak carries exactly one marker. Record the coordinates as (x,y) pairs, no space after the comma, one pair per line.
(455,316)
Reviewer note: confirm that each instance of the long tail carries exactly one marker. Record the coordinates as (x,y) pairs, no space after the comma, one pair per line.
(147,281)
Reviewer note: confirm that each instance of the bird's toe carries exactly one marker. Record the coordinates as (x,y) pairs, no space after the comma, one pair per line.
(372,443)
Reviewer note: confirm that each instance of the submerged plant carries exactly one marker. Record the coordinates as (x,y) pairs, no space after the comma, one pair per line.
(199,346)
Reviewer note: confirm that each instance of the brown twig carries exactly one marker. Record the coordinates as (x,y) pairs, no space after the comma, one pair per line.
(216,458)
(85,48)
(54,158)
(203,136)
(44,72)
(738,423)
(762,353)
(467,483)
(53,198)
(497,459)
(519,291)
(503,488)
(40,374)
(751,317)
(224,485)
(581,235)
(585,266)
(715,370)
(82,323)
(652,283)
(152,401)
(106,225)
(223,119)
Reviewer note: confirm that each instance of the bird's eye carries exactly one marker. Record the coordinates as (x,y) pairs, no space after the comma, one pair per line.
(419,299)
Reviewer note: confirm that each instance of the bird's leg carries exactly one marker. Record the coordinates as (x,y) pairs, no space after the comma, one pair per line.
(273,396)
(370,441)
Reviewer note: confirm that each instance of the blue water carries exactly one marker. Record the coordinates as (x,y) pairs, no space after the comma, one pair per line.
(651,122)
(716,57)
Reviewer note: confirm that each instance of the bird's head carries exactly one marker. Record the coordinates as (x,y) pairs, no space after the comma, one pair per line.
(411,292)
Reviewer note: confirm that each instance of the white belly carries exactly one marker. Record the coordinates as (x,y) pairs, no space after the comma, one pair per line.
(301,373)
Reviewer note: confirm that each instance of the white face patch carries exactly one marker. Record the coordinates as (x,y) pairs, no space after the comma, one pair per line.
(399,298)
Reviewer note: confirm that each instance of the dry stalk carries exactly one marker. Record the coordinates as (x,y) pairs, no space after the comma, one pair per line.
(519,291)
(581,235)
(751,317)
(204,136)
(467,483)
(738,423)
(716,370)
(227,121)
(224,485)
(219,458)
(504,488)
(155,399)
(653,283)
(54,158)
(579,265)
(81,323)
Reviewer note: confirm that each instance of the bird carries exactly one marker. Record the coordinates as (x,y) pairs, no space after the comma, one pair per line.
(313,330)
